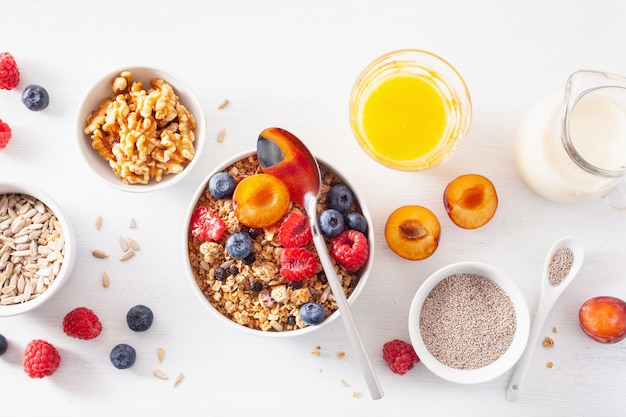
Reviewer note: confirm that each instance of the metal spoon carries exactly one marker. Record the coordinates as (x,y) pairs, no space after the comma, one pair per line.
(283,155)
(552,286)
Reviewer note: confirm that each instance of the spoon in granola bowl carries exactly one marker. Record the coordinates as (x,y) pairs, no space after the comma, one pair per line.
(283,155)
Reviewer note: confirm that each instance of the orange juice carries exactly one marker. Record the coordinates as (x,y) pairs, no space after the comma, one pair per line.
(405,117)
(410,109)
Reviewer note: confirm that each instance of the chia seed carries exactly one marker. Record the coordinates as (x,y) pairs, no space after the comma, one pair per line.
(467,321)
(560,265)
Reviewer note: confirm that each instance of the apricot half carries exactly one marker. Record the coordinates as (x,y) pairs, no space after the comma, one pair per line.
(260,200)
(412,232)
(603,319)
(470,201)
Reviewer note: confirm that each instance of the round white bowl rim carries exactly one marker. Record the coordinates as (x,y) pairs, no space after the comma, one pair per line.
(288,333)
(496,368)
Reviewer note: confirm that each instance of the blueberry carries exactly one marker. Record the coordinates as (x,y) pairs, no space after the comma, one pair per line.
(256,286)
(123,356)
(222,185)
(220,274)
(35,97)
(139,318)
(339,197)
(331,222)
(239,245)
(4,344)
(356,221)
(234,270)
(312,313)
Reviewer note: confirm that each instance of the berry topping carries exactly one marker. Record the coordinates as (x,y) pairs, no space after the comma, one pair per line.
(260,200)
(239,245)
(355,221)
(297,264)
(82,323)
(312,313)
(340,198)
(123,356)
(4,344)
(9,74)
(35,97)
(41,359)
(295,231)
(205,225)
(400,356)
(220,274)
(139,318)
(5,134)
(350,249)
(222,185)
(331,222)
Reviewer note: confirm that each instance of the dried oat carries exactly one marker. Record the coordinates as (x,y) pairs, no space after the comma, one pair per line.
(99,253)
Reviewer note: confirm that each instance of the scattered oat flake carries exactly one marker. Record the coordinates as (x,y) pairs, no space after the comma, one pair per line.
(105,279)
(549,364)
(178,378)
(160,374)
(160,354)
(99,253)
(221,135)
(341,354)
(223,104)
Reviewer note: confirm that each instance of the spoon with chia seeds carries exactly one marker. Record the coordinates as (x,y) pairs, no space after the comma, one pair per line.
(563,262)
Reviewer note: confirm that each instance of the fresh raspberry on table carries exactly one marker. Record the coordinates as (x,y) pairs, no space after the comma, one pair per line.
(294,231)
(5,134)
(82,323)
(297,264)
(350,249)
(9,74)
(41,359)
(206,225)
(400,356)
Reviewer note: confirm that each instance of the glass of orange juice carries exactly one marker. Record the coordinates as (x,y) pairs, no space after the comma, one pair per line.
(410,109)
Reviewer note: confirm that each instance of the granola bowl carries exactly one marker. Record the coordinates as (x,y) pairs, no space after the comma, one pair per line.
(140,129)
(38,250)
(262,293)
(469,323)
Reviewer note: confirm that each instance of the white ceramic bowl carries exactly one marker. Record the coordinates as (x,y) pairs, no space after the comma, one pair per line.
(276,334)
(493,369)
(101,90)
(69,259)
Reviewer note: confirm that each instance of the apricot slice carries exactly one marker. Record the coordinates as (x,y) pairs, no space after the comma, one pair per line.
(260,200)
(412,232)
(603,319)
(470,201)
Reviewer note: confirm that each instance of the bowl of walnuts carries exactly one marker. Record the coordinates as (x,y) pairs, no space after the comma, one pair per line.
(140,129)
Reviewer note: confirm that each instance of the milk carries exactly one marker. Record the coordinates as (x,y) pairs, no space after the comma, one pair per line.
(598,133)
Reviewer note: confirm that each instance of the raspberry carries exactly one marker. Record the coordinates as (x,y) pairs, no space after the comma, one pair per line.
(350,249)
(295,231)
(5,134)
(41,359)
(400,356)
(205,225)
(297,264)
(9,74)
(82,323)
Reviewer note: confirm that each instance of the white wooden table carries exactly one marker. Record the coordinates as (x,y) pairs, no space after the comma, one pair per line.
(292,64)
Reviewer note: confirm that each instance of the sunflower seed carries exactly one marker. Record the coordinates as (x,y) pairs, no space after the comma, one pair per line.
(123,244)
(133,244)
(99,253)
(221,135)
(105,279)
(160,354)
(127,255)
(98,222)
(160,374)
(178,378)
(223,104)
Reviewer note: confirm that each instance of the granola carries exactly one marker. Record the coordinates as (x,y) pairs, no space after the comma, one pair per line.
(256,295)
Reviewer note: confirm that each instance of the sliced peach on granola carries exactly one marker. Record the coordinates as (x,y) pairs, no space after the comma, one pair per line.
(470,200)
(412,232)
(260,200)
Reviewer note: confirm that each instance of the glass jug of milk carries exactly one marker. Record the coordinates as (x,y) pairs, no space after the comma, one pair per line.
(571,146)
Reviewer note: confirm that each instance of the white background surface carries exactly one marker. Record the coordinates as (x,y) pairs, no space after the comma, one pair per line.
(292,64)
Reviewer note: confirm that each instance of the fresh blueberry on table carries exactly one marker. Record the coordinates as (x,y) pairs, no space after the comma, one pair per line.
(340,197)
(312,313)
(139,318)
(123,356)
(35,97)
(4,344)
(331,223)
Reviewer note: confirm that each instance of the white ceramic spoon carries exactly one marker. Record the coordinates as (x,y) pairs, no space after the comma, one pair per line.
(549,294)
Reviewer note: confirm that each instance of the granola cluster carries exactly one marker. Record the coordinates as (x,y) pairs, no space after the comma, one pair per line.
(256,295)
(142,134)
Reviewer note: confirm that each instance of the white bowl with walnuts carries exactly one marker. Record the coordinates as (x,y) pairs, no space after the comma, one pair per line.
(264,291)
(140,129)
(37,251)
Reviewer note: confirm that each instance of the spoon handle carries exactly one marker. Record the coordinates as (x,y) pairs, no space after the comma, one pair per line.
(521,369)
(346,314)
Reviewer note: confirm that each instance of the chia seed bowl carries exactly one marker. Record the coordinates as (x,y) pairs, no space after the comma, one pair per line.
(469,323)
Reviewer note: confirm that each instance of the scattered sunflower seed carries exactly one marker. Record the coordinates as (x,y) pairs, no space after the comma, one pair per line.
(223,104)
(99,253)
(132,224)
(105,280)
(221,135)
(178,378)
(160,374)
(160,354)
(98,222)
(127,255)
(133,244)
(123,244)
